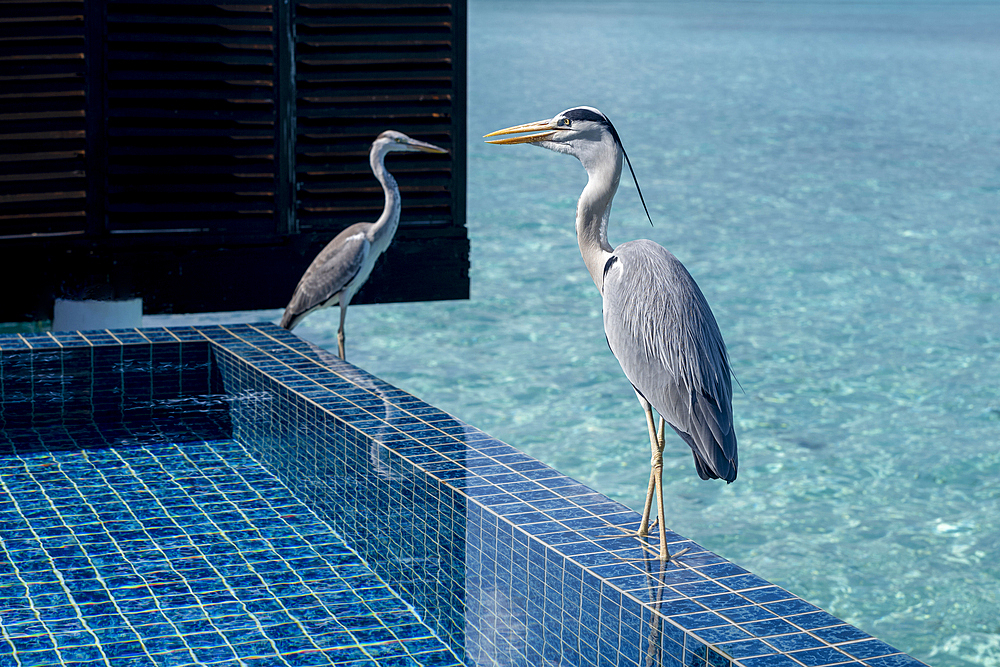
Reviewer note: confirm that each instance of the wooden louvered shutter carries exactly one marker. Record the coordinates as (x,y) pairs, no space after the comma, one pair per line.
(200,153)
(191,116)
(42,122)
(362,68)
(365,67)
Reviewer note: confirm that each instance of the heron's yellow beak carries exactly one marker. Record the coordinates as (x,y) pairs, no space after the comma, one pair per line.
(543,128)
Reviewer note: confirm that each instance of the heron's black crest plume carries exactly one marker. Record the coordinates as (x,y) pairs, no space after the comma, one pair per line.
(636,180)
(587,114)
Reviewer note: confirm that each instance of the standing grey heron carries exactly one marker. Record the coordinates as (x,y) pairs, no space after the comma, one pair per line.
(657,322)
(343,266)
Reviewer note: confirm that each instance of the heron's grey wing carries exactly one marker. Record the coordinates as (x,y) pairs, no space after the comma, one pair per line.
(662,331)
(334,267)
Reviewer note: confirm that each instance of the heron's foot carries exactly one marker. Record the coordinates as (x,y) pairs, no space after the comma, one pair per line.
(661,552)
(626,532)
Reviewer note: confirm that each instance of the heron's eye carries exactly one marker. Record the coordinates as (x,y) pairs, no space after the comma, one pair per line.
(564,121)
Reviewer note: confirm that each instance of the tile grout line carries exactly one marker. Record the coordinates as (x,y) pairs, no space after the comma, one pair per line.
(97,573)
(198,548)
(62,581)
(319,519)
(276,597)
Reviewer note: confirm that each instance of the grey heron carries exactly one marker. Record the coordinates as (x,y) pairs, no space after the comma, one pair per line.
(657,322)
(343,266)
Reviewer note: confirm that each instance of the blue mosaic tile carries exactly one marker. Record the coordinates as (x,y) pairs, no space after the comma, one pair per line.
(742,582)
(790,607)
(767,594)
(769,628)
(793,642)
(814,620)
(747,614)
(840,633)
(898,660)
(774,660)
(702,620)
(821,656)
(504,558)
(720,634)
(872,648)
(745,649)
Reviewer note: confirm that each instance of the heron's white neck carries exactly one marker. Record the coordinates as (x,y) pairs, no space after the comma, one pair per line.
(604,167)
(382,231)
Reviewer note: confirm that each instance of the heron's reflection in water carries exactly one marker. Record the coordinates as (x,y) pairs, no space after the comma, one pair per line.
(662,650)
(656,582)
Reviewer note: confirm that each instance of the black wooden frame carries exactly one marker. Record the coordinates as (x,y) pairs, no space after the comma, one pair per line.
(199,153)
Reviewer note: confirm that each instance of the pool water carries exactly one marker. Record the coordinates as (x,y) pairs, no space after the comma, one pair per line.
(184,553)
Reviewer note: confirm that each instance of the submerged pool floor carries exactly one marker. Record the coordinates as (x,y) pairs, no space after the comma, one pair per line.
(192,554)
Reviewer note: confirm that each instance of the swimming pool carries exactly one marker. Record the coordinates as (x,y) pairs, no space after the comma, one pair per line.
(234,495)
(136,531)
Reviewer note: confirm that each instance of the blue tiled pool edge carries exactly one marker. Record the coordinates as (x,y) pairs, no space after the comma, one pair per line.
(511,562)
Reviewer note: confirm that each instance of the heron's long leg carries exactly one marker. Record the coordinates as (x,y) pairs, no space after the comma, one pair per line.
(658,471)
(644,526)
(655,487)
(341,339)
(655,481)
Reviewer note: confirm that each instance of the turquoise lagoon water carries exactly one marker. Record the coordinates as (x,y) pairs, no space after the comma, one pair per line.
(830,174)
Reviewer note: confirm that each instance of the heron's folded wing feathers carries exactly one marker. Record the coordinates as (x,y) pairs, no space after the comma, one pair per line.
(330,272)
(663,333)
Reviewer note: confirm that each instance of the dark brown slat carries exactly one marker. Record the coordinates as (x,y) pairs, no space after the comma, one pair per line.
(6,178)
(50,155)
(18,22)
(202,186)
(188,132)
(185,23)
(376,6)
(190,94)
(183,115)
(41,196)
(228,76)
(190,5)
(223,57)
(36,7)
(378,22)
(41,115)
(168,207)
(231,40)
(377,60)
(259,151)
(12,35)
(361,131)
(439,77)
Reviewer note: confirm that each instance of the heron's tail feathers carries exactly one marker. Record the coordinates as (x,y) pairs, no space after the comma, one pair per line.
(711,460)
(290,319)
(705,471)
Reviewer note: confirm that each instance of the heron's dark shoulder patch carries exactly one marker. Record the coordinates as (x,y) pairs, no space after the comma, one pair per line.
(607,265)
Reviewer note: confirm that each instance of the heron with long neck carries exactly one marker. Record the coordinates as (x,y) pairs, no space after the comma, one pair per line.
(657,322)
(343,266)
